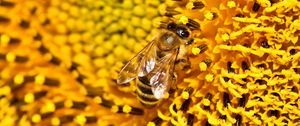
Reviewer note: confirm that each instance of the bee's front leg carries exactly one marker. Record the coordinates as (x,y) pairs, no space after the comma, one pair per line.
(183,64)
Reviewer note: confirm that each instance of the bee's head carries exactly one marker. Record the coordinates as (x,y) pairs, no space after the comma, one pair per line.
(174,36)
(180,30)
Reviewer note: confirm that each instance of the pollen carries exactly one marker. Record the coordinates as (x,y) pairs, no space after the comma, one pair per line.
(225,37)
(10,57)
(126,109)
(49,107)
(183,19)
(115,108)
(80,119)
(209,77)
(39,79)
(55,121)
(151,124)
(209,15)
(36,118)
(29,98)
(202,66)
(4,39)
(196,50)
(185,95)
(19,79)
(231,4)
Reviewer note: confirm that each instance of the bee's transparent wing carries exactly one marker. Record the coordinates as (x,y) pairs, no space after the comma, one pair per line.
(140,64)
(162,76)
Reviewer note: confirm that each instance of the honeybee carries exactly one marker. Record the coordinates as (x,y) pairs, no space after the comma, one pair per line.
(153,67)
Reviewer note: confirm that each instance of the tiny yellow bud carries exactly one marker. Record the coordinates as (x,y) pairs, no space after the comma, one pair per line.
(10,57)
(189,5)
(80,119)
(202,66)
(55,121)
(115,108)
(39,79)
(4,39)
(209,15)
(36,118)
(68,103)
(5,90)
(97,99)
(185,95)
(29,98)
(151,124)
(225,37)
(209,77)
(126,108)
(206,102)
(183,20)
(196,50)
(49,107)
(231,4)
(18,79)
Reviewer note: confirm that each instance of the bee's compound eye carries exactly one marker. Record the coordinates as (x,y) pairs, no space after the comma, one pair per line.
(172,26)
(182,32)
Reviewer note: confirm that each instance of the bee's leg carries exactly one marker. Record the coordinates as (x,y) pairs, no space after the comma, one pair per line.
(173,79)
(183,63)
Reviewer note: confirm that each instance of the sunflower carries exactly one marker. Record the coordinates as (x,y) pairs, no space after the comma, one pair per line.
(59,61)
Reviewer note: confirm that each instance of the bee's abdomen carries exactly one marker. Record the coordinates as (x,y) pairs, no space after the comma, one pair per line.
(144,92)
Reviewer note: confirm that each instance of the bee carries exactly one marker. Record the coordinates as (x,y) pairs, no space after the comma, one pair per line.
(153,67)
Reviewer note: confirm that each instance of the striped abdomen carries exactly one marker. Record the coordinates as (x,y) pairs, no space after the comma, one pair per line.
(144,92)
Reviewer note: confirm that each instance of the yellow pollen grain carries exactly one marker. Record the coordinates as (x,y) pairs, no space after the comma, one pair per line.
(209,77)
(202,66)
(49,107)
(264,3)
(183,19)
(80,119)
(55,121)
(36,118)
(97,99)
(18,79)
(196,50)
(68,103)
(29,98)
(206,102)
(126,108)
(10,57)
(189,5)
(209,15)
(231,4)
(39,79)
(225,37)
(4,39)
(115,108)
(185,95)
(5,90)
(151,124)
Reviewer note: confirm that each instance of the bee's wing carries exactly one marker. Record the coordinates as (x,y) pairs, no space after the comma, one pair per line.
(139,65)
(162,76)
